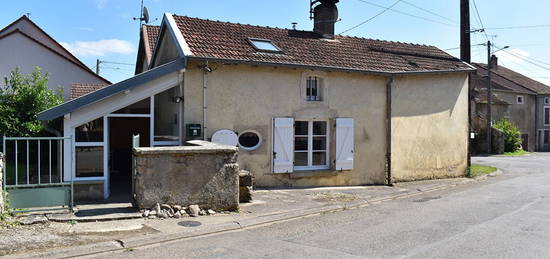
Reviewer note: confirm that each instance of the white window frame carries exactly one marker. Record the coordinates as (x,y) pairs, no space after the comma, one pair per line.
(546,100)
(544,115)
(310,150)
(518,99)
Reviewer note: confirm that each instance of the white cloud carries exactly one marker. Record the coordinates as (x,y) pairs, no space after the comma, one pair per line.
(101,3)
(99,48)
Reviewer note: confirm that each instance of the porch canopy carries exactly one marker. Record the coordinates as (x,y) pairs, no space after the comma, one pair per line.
(148,104)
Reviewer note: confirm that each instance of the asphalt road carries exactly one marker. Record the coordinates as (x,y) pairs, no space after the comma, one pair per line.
(503,217)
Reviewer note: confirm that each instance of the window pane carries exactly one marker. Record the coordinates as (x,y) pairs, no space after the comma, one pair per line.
(319,158)
(166,116)
(89,161)
(300,143)
(141,107)
(319,143)
(264,45)
(90,132)
(319,128)
(546,115)
(300,159)
(301,128)
(546,136)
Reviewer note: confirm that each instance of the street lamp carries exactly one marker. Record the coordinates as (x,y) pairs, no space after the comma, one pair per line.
(490,96)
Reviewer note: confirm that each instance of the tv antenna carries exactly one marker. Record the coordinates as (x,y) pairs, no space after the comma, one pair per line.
(143,16)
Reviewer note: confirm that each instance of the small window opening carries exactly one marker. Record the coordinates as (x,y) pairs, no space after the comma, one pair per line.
(313,91)
(520,99)
(249,140)
(264,45)
(547,100)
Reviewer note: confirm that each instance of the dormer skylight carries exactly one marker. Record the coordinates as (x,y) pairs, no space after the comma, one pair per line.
(264,45)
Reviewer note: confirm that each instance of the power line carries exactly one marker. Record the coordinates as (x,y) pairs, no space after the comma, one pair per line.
(428,11)
(519,27)
(368,20)
(117,63)
(526,60)
(407,14)
(480,21)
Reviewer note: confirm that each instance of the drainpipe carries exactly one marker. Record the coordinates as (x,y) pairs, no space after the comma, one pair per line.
(388,130)
(205,70)
(181,77)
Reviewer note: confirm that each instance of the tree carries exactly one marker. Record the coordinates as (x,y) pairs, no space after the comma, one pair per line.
(21,99)
(512,135)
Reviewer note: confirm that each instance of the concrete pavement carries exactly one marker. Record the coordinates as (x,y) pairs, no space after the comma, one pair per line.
(504,217)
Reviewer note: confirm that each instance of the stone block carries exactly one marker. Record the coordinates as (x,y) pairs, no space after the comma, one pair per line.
(206,174)
(245,178)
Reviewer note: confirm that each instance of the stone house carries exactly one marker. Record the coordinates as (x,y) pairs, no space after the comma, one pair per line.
(518,98)
(305,108)
(25,45)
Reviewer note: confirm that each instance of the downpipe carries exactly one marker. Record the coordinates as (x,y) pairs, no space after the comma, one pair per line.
(389,84)
(205,70)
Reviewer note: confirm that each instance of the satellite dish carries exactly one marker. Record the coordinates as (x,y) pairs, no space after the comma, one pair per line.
(145,15)
(225,137)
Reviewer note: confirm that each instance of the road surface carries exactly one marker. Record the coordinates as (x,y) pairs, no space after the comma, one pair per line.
(503,217)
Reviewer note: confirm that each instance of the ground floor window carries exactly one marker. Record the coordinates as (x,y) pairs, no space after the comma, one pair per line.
(547,115)
(310,145)
(89,161)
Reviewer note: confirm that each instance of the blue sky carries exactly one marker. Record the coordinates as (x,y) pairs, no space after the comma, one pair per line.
(104,29)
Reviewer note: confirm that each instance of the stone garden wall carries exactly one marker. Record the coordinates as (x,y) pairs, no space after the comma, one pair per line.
(202,173)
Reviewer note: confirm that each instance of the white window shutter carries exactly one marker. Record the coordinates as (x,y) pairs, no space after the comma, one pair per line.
(283,145)
(344,143)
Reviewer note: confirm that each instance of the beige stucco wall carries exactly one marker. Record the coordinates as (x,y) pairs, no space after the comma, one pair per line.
(242,97)
(17,50)
(429,127)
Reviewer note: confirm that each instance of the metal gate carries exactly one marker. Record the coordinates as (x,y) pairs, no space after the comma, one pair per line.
(33,173)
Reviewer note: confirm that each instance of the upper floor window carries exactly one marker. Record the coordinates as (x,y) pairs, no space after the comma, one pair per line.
(313,88)
(519,99)
(547,100)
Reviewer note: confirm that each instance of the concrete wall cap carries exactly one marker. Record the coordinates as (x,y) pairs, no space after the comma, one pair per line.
(196,146)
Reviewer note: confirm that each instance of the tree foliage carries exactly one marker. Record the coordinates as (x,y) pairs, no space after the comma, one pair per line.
(512,140)
(22,97)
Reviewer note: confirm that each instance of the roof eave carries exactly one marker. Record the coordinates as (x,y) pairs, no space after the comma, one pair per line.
(111,90)
(329,68)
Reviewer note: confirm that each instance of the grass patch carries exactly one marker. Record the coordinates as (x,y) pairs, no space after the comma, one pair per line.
(477,170)
(520,152)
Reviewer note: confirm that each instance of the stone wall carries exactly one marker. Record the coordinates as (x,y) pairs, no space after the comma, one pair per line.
(1,182)
(203,173)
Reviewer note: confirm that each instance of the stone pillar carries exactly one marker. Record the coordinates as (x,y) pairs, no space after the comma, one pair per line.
(1,183)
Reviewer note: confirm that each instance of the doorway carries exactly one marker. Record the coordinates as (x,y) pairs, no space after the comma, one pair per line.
(121,130)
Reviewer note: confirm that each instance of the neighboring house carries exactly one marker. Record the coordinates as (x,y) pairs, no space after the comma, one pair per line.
(147,42)
(307,108)
(526,104)
(25,45)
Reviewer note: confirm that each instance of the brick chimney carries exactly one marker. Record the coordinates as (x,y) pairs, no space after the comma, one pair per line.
(325,16)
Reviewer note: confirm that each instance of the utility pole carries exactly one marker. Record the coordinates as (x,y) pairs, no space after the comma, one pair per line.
(465,51)
(489,100)
(97,63)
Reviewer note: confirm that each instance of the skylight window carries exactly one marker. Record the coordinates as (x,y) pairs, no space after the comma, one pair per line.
(264,45)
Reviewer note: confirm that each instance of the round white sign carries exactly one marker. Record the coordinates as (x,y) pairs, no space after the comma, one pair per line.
(225,137)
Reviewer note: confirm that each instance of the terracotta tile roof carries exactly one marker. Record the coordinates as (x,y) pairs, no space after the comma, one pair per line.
(511,78)
(151,33)
(78,90)
(229,41)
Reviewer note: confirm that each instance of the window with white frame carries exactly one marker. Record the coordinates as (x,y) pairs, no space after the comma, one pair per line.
(305,145)
(313,88)
(311,145)
(547,100)
(89,149)
(519,99)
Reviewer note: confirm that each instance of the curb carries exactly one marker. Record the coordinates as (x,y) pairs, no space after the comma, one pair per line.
(258,221)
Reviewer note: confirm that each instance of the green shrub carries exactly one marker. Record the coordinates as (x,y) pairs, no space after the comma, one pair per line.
(512,135)
(22,97)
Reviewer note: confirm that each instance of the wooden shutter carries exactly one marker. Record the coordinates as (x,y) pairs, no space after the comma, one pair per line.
(344,143)
(283,145)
